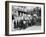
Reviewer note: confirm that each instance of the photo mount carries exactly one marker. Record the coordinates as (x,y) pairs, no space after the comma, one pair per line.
(7,18)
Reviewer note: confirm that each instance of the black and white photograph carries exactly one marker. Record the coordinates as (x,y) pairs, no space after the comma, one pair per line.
(26,18)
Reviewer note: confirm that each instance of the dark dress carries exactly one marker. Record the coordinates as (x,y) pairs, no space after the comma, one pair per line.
(15,26)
